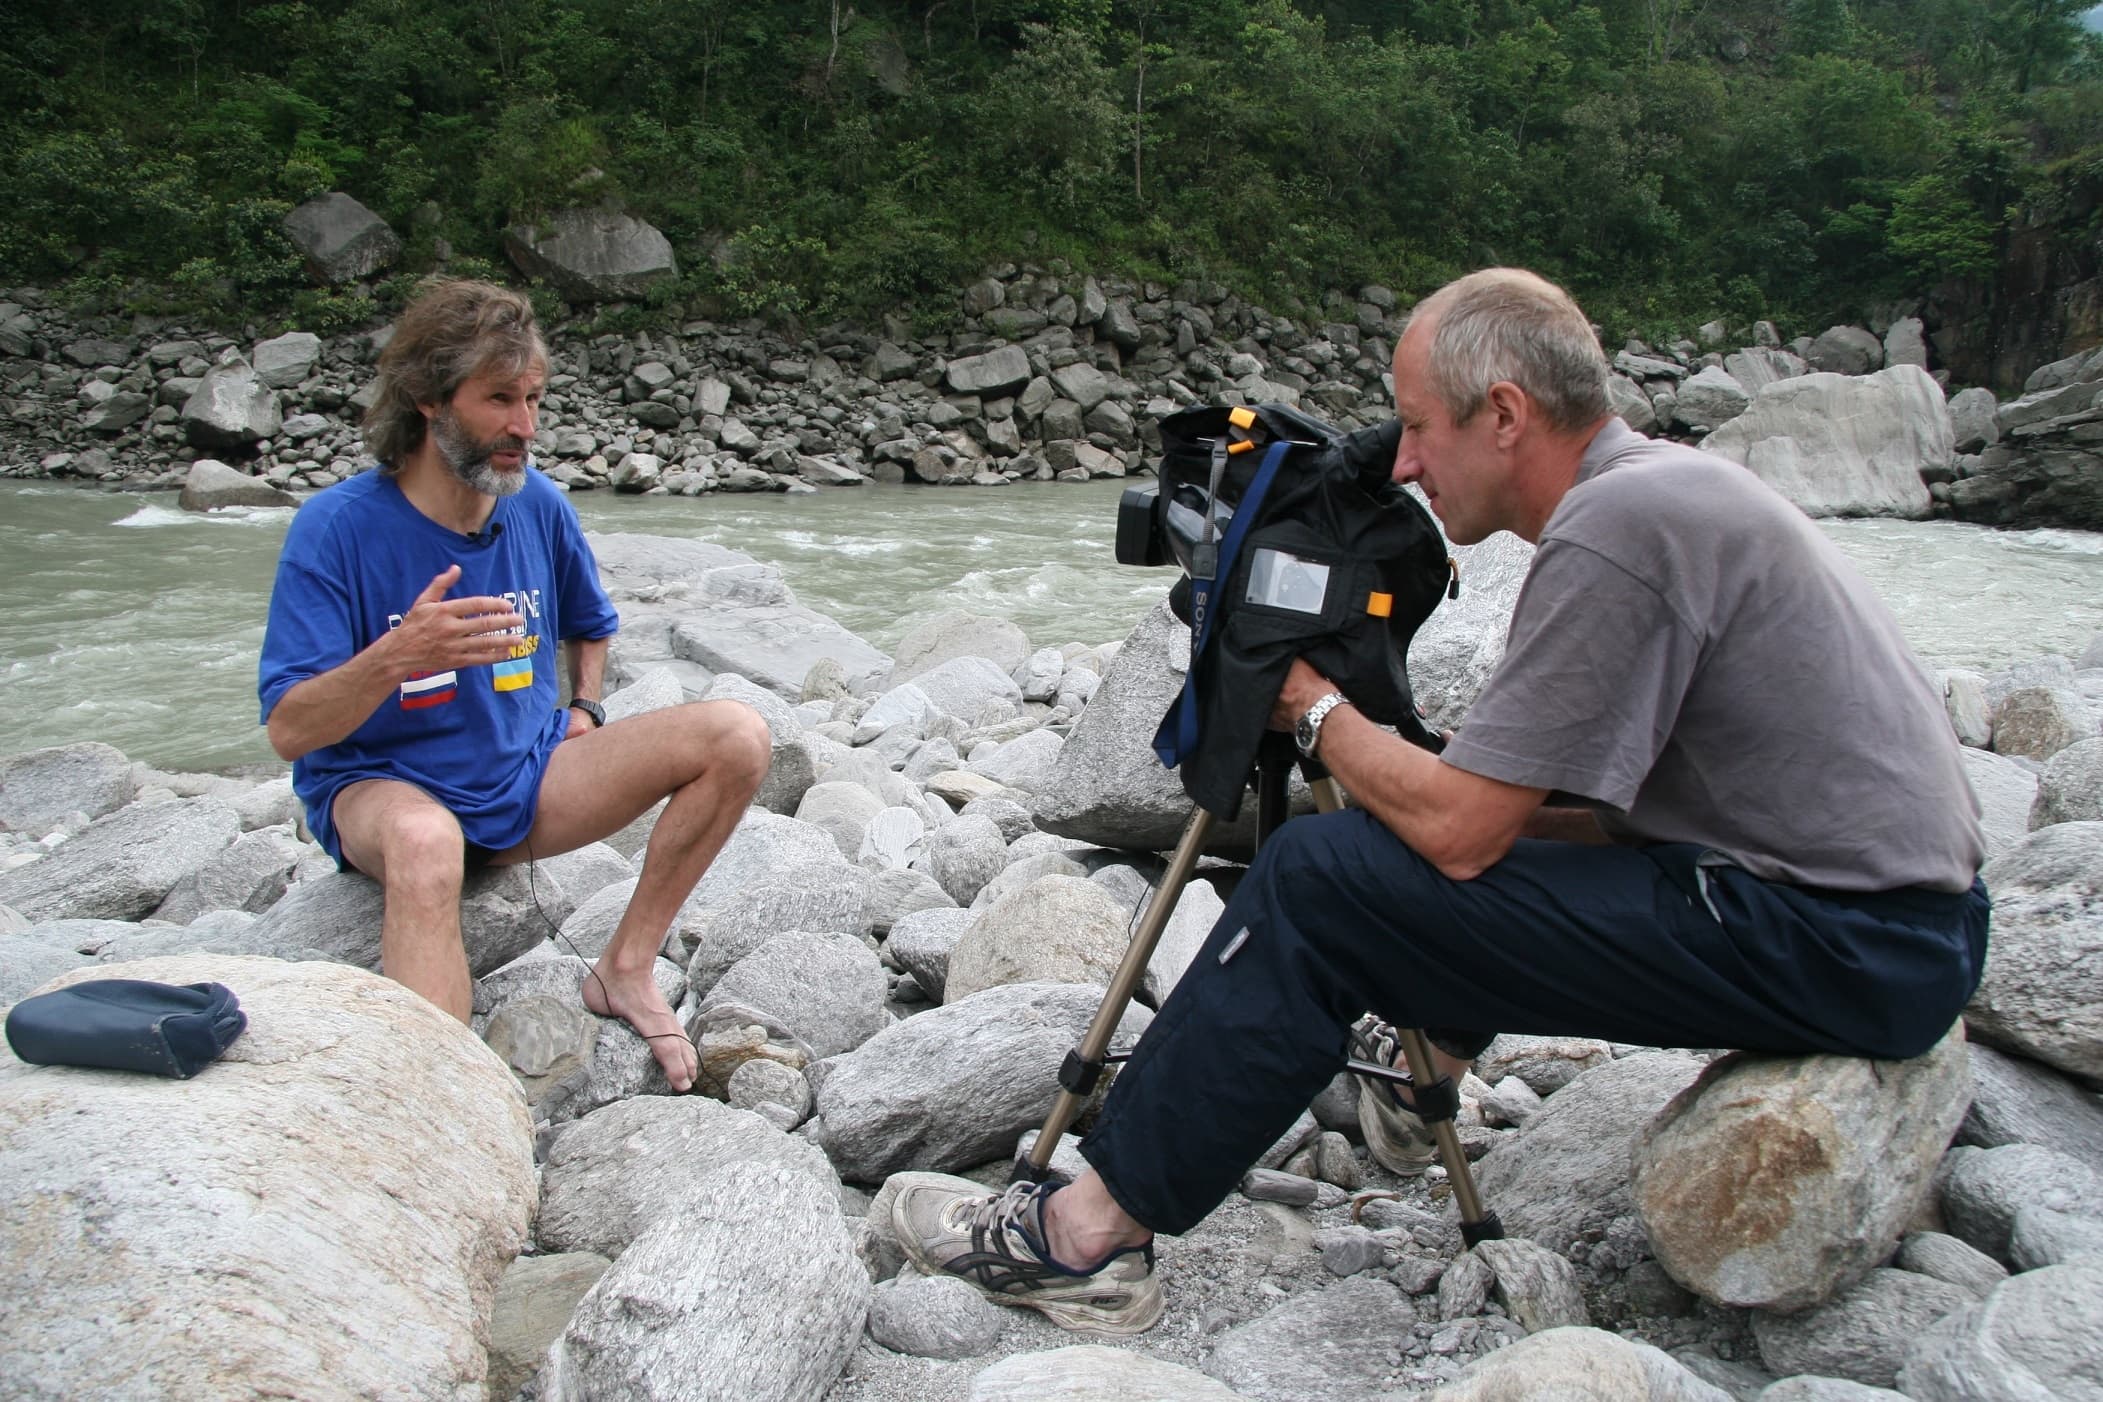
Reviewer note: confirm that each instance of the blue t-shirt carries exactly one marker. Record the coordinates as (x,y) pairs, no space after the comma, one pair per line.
(476,739)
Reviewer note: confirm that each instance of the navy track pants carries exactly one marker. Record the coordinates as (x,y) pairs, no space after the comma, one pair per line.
(1630,944)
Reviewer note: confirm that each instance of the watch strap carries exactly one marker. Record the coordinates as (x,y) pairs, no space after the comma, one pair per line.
(1308,733)
(590,708)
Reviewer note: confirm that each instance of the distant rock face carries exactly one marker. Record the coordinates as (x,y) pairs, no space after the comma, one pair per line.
(1840,445)
(325,1211)
(231,409)
(592,255)
(341,239)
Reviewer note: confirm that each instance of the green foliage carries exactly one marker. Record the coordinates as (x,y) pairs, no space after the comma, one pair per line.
(1669,158)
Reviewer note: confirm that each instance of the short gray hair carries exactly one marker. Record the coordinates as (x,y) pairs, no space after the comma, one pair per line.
(1510,324)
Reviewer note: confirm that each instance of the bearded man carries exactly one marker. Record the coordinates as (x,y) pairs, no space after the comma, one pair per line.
(409,672)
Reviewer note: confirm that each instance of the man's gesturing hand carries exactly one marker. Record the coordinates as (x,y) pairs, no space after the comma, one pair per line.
(439,634)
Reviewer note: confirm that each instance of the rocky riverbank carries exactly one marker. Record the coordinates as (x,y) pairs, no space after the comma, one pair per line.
(1049,376)
(906,933)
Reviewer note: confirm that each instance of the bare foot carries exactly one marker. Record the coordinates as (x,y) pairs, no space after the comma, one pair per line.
(634,999)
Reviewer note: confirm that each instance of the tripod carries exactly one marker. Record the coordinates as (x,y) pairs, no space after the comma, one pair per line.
(1435,1098)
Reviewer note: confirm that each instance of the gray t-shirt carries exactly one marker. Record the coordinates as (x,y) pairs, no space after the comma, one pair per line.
(1692,653)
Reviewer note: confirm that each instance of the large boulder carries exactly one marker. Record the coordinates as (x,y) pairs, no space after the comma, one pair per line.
(1333,1343)
(2042,995)
(1774,1182)
(504,912)
(325,1211)
(952,1087)
(1462,642)
(122,866)
(744,619)
(1575,1364)
(1093,1373)
(827,988)
(1058,929)
(1846,350)
(2071,788)
(993,373)
(753,1292)
(2016,1101)
(1861,1335)
(341,239)
(283,361)
(592,255)
(2007,791)
(1841,446)
(1710,399)
(211,484)
(231,409)
(41,788)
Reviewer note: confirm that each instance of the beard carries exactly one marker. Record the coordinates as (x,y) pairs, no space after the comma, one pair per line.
(468,457)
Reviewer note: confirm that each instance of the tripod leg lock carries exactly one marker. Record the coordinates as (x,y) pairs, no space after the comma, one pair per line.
(1079,1075)
(1438,1101)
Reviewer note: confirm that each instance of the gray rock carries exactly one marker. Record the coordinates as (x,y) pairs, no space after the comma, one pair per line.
(963,686)
(249,876)
(1628,401)
(1546,1064)
(340,239)
(1904,343)
(1465,1287)
(1092,1373)
(1578,1365)
(1023,872)
(26,965)
(1027,764)
(1948,1259)
(1565,1177)
(592,255)
(760,1081)
(1462,642)
(1807,1388)
(893,894)
(619,1169)
(1058,929)
(745,620)
(2043,1237)
(1274,1185)
(995,372)
(1862,1334)
(2039,1335)
(1774,1182)
(1710,399)
(374,1158)
(2037,722)
(842,810)
(954,633)
(116,413)
(546,1039)
(922,942)
(952,1087)
(824,898)
(122,866)
(1972,426)
(1838,446)
(2016,1101)
(828,989)
(1347,1251)
(962,855)
(39,789)
(211,484)
(230,408)
(283,361)
(1198,909)
(1537,1288)
(2042,995)
(2006,791)
(2071,788)
(1757,367)
(338,915)
(1985,1190)
(1846,350)
(753,1293)
(1342,1342)
(933,1317)
(533,1305)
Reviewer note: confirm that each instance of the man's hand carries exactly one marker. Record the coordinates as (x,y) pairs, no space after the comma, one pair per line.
(1303,686)
(440,634)
(580,724)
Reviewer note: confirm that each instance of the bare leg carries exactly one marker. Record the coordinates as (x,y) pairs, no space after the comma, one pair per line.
(709,757)
(404,839)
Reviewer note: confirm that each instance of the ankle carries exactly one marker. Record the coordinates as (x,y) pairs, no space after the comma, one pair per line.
(1078,1242)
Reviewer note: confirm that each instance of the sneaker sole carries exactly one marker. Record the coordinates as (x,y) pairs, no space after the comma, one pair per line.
(1139,1312)
(1404,1156)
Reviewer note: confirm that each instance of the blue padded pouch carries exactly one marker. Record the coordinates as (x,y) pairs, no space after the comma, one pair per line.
(121,1024)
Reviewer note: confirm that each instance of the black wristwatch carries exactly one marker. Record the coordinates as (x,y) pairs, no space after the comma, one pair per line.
(590,708)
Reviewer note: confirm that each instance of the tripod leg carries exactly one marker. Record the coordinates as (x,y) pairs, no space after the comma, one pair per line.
(1084,1065)
(1437,1099)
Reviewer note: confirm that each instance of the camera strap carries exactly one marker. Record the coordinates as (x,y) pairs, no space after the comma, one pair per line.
(1177,736)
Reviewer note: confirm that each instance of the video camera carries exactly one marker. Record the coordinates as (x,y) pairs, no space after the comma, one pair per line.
(1294,542)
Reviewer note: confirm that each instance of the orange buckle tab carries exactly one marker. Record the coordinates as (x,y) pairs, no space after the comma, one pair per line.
(1241,416)
(1380,605)
(1245,446)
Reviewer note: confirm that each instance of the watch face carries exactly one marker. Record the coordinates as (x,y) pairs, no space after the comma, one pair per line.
(1303,734)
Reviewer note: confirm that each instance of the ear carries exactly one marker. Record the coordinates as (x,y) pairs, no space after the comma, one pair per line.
(429,411)
(1513,410)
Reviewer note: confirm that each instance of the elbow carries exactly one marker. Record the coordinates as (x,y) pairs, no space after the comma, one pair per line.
(1463,856)
(286,745)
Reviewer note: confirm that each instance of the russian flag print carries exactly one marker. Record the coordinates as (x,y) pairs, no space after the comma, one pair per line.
(425,689)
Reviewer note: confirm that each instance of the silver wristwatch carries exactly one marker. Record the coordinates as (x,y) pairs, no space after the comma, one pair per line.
(1308,733)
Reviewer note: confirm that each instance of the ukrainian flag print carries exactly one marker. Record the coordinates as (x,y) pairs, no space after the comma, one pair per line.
(516,672)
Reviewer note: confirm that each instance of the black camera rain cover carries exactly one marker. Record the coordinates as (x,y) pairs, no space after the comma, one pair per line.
(1331,504)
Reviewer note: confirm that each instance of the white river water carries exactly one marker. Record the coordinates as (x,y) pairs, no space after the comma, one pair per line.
(126,620)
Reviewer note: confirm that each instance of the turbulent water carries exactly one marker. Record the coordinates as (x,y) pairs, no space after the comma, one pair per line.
(125,620)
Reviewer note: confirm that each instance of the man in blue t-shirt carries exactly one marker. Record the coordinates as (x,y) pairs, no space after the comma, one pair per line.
(409,673)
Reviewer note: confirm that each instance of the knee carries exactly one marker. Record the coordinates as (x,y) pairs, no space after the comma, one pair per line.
(734,742)
(424,851)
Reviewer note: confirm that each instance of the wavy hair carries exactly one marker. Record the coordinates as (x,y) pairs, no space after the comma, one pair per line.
(1510,324)
(453,331)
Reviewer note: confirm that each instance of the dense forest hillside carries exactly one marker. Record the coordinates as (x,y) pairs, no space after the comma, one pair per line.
(1672,159)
